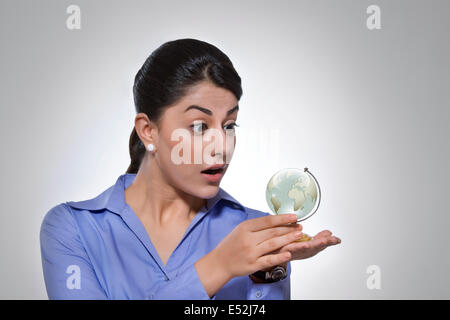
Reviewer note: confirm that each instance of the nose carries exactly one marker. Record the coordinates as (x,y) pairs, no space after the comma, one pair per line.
(222,148)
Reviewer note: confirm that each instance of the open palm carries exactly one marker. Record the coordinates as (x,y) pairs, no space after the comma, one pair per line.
(307,249)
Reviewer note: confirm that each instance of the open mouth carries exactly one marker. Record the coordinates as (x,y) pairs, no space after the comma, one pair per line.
(213,171)
(213,175)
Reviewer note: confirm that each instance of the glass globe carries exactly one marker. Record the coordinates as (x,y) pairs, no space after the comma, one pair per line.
(292,190)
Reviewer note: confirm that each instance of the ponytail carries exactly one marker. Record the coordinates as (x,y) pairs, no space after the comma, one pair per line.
(137,152)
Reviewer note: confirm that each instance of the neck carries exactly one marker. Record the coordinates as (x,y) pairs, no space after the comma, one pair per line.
(152,197)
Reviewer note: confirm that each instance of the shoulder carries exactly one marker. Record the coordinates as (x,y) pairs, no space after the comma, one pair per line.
(249,212)
(254,213)
(58,222)
(59,215)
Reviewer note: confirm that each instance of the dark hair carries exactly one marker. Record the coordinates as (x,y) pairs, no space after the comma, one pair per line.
(168,73)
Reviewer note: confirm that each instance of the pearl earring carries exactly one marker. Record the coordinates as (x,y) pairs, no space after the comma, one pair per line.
(150,147)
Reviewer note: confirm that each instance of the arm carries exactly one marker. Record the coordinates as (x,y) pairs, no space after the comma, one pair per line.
(244,250)
(204,278)
(198,281)
(68,273)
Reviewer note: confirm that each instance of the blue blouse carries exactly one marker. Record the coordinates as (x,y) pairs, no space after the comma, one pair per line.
(99,249)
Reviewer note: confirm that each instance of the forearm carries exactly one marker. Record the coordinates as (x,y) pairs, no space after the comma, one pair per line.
(211,273)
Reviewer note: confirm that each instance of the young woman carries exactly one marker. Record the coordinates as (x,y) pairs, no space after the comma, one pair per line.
(166,230)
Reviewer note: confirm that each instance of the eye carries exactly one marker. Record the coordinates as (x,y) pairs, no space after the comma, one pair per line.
(198,127)
(233,126)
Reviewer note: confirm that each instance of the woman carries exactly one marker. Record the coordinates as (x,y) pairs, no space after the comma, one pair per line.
(166,230)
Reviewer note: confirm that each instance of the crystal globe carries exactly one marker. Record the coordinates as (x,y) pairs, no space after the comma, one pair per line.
(292,190)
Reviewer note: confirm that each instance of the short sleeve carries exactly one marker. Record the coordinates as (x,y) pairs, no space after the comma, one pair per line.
(68,273)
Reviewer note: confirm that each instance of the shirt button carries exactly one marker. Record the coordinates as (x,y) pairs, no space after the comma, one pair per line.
(258,294)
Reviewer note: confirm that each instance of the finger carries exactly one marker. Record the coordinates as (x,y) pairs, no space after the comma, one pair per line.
(324,233)
(263,235)
(324,242)
(275,243)
(303,247)
(319,242)
(270,221)
(295,246)
(329,240)
(335,240)
(272,260)
(311,244)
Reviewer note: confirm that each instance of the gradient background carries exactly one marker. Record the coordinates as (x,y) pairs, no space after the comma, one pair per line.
(366,111)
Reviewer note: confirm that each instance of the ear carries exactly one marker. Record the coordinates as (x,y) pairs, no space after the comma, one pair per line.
(146,129)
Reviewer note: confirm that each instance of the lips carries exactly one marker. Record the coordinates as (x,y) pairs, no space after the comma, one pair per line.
(218,168)
(214,173)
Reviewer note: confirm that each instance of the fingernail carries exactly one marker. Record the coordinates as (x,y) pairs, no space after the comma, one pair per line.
(298,234)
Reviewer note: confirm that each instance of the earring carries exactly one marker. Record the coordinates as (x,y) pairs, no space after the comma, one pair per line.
(150,147)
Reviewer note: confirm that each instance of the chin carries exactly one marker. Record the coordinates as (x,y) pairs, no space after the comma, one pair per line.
(208,192)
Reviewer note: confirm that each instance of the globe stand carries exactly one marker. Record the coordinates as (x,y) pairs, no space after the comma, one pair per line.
(304,238)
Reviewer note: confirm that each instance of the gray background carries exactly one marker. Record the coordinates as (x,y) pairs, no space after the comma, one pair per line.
(366,110)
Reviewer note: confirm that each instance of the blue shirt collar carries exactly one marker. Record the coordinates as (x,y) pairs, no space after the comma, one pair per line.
(113,198)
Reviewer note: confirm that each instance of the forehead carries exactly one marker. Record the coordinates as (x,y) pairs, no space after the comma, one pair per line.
(206,95)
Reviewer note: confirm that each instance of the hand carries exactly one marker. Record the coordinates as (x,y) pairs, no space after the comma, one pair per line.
(307,249)
(250,246)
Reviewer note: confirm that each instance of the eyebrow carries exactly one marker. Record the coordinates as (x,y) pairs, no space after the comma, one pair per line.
(209,112)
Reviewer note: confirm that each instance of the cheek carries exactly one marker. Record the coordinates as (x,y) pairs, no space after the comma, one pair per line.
(230,148)
(182,173)
(185,177)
